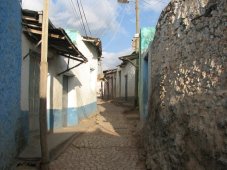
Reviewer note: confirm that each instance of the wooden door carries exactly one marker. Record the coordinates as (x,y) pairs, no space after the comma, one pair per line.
(126,87)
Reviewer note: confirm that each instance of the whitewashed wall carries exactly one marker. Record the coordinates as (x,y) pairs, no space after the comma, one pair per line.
(86,74)
(82,85)
(129,70)
(26,45)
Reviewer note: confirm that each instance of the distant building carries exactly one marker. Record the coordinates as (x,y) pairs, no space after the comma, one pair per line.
(120,83)
(110,84)
(100,80)
(126,78)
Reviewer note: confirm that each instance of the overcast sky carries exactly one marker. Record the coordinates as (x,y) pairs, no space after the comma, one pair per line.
(114,23)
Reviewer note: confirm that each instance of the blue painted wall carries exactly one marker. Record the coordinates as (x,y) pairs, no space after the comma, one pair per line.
(146,37)
(143,86)
(73,115)
(12,120)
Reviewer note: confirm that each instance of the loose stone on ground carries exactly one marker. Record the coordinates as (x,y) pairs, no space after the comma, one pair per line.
(111,144)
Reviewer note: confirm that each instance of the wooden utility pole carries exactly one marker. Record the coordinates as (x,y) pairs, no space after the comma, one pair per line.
(43,89)
(137,43)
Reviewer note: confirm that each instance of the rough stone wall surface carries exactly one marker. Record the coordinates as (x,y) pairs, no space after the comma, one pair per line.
(11,118)
(187,126)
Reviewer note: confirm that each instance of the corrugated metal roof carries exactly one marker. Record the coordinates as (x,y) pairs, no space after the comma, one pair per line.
(58,39)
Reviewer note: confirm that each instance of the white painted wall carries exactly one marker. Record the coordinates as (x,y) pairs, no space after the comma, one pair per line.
(86,74)
(56,65)
(26,45)
(129,70)
(82,79)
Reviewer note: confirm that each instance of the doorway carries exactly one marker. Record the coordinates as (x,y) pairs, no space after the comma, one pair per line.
(126,87)
(119,83)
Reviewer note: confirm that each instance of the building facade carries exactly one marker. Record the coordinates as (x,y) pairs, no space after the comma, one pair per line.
(126,78)
(110,84)
(72,75)
(120,83)
(87,75)
(12,120)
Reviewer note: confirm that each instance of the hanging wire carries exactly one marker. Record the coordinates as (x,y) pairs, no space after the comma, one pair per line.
(115,33)
(155,2)
(103,32)
(85,18)
(76,15)
(78,5)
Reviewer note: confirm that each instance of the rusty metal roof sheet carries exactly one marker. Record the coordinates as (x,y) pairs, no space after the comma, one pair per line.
(58,39)
(96,42)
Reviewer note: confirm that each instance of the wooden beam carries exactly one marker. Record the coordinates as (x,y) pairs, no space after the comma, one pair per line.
(29,18)
(131,63)
(69,69)
(74,47)
(40,33)
(74,58)
(32,25)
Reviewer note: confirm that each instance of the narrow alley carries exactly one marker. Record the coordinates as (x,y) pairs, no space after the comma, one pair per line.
(111,144)
(113,85)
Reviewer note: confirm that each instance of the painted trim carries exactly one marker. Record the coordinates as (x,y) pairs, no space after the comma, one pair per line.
(59,118)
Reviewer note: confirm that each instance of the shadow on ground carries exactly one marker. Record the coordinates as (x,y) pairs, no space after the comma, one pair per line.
(112,142)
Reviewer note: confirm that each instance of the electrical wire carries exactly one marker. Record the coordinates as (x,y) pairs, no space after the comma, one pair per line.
(85,17)
(76,15)
(155,2)
(78,5)
(101,33)
(115,33)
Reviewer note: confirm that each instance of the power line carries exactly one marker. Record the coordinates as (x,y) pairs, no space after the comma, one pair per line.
(81,16)
(76,15)
(101,33)
(117,29)
(155,2)
(85,17)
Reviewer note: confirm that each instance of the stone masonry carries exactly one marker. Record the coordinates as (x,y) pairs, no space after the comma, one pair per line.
(187,126)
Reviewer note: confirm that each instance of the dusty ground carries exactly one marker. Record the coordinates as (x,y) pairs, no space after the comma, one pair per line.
(111,144)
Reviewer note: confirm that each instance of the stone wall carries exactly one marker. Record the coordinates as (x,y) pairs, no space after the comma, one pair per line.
(187,126)
(12,120)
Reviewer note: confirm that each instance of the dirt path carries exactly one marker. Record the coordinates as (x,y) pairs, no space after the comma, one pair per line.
(111,144)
